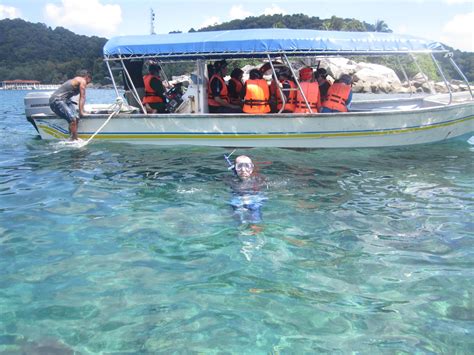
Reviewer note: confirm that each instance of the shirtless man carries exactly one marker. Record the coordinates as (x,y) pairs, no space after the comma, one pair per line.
(61,104)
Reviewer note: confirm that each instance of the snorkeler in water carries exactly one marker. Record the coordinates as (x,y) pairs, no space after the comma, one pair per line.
(247,197)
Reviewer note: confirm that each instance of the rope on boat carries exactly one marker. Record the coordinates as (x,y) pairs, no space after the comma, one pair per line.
(118,107)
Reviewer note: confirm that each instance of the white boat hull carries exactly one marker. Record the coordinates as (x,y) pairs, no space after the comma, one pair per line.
(354,129)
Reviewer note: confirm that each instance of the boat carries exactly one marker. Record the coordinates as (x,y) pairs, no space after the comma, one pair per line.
(369,123)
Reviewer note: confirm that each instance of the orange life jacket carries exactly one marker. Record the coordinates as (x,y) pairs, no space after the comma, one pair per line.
(257,96)
(236,100)
(150,94)
(224,94)
(290,104)
(311,91)
(338,94)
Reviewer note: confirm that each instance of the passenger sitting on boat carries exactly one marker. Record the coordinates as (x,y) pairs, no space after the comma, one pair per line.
(311,92)
(235,87)
(339,95)
(61,104)
(218,93)
(288,88)
(256,94)
(324,85)
(154,99)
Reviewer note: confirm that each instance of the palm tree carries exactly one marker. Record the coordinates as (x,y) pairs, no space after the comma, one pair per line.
(381,26)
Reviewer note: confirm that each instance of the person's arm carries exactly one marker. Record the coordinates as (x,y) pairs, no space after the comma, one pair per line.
(82,95)
(349,100)
(157,87)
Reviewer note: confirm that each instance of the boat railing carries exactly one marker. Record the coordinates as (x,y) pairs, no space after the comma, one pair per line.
(453,63)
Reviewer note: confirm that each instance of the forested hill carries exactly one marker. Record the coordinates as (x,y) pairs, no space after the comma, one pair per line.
(300,21)
(37,52)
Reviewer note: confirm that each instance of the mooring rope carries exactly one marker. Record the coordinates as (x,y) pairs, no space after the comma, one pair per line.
(118,106)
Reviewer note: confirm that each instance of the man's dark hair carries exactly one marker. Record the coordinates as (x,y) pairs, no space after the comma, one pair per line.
(84,73)
(236,73)
(154,68)
(255,74)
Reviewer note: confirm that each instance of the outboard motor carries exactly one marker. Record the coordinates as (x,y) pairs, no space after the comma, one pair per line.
(37,102)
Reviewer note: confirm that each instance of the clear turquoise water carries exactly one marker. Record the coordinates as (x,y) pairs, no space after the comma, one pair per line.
(123,249)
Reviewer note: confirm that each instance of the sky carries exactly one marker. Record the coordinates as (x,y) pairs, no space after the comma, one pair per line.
(447,21)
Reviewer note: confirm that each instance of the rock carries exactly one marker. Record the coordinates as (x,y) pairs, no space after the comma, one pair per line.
(382,79)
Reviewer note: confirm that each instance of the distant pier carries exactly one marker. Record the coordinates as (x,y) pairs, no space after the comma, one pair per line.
(26,85)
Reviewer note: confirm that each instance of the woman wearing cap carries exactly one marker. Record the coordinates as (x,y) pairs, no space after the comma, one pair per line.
(339,95)
(311,92)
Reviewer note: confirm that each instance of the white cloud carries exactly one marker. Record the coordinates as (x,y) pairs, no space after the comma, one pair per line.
(85,16)
(9,12)
(457,32)
(401,29)
(452,2)
(237,12)
(273,10)
(210,21)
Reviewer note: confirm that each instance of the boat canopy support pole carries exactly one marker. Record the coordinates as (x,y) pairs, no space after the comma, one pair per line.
(453,63)
(134,90)
(444,78)
(200,81)
(277,84)
(112,78)
(425,77)
(297,83)
(405,75)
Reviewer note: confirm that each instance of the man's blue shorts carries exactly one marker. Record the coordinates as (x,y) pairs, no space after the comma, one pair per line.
(64,109)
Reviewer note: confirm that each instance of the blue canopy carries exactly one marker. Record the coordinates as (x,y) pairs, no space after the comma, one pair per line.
(259,42)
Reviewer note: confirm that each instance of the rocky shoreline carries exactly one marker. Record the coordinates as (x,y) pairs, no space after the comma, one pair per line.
(375,78)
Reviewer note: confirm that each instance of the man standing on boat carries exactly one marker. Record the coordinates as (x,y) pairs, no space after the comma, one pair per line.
(339,95)
(311,93)
(61,104)
(218,93)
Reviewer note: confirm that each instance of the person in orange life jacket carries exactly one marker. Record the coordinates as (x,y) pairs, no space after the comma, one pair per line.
(339,95)
(324,84)
(285,78)
(218,93)
(154,99)
(256,94)
(311,92)
(235,86)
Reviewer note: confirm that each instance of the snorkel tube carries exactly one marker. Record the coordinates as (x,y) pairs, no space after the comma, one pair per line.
(229,163)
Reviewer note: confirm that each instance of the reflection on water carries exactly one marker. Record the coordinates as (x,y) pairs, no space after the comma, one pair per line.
(116,248)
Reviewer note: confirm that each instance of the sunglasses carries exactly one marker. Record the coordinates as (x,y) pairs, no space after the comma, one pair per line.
(241,166)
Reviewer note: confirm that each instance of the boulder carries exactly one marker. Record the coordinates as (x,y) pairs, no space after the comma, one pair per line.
(381,78)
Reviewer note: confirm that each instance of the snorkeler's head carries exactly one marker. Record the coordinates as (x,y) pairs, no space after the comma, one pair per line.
(243,167)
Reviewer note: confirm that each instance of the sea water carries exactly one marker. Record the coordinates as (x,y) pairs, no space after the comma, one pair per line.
(115,248)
